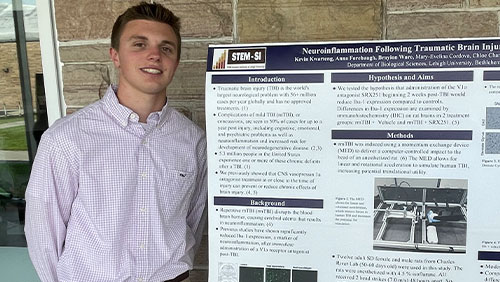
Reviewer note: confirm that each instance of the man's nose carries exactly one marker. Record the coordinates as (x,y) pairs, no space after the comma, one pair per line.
(154,53)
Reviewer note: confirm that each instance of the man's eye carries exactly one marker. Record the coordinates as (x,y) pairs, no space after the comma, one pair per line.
(167,49)
(139,44)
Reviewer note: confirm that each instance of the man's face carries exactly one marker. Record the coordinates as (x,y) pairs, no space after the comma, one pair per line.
(147,57)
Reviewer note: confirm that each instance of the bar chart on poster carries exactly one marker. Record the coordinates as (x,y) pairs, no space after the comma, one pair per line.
(354,161)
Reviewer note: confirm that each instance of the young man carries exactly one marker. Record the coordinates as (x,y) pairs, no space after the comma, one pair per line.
(118,189)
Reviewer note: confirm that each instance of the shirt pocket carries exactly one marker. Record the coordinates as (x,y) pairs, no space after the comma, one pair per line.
(174,194)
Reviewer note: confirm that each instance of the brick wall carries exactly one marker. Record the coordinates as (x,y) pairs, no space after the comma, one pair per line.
(10,89)
(84,28)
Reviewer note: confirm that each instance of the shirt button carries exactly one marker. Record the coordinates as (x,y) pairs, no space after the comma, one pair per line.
(144,141)
(134,116)
(143,210)
(142,246)
(140,279)
(143,174)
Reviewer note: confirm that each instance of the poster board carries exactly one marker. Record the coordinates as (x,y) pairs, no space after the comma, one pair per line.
(354,161)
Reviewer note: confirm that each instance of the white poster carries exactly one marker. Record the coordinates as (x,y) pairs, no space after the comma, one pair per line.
(354,161)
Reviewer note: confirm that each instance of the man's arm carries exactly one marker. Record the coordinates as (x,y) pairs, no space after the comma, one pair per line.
(197,215)
(49,196)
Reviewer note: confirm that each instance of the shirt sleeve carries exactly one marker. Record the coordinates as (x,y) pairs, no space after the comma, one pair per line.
(197,215)
(49,196)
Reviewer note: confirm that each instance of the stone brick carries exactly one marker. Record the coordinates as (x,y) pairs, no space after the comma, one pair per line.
(93,19)
(78,97)
(10,88)
(88,19)
(442,25)
(10,83)
(484,3)
(85,53)
(84,82)
(189,81)
(203,18)
(85,74)
(306,20)
(405,5)
(197,50)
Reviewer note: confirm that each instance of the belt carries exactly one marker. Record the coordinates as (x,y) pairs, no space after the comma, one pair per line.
(179,278)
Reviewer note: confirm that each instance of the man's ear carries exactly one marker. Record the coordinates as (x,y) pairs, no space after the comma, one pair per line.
(114,57)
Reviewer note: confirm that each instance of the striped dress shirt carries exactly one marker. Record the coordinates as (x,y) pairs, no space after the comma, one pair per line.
(111,199)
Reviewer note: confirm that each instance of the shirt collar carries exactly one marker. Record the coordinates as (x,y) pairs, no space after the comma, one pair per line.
(124,115)
(163,114)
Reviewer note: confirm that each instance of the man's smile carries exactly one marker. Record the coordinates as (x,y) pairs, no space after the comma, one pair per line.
(152,70)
